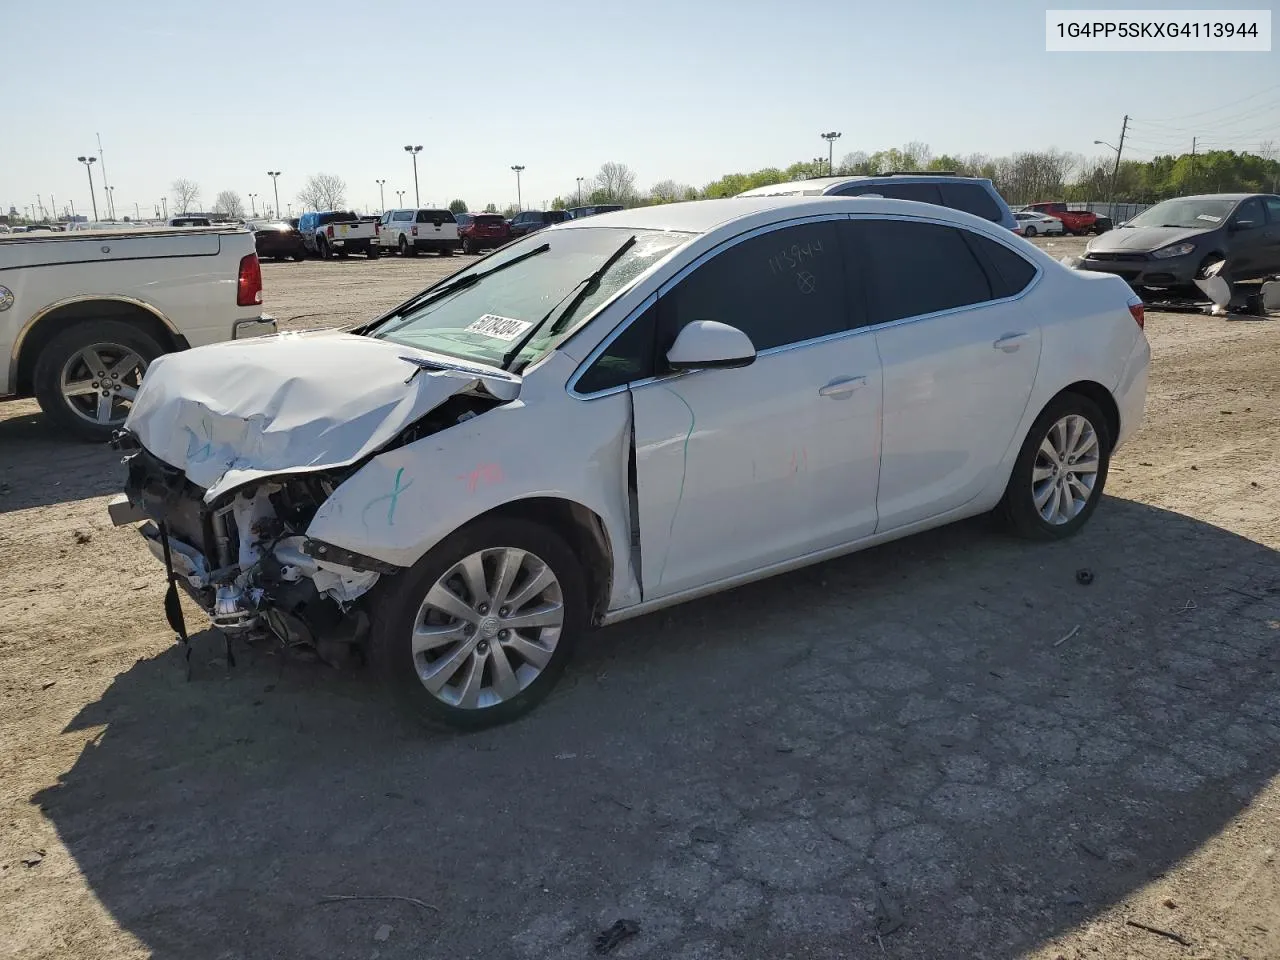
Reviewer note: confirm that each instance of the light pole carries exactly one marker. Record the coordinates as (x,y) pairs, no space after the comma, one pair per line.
(400,198)
(165,201)
(111,206)
(382,200)
(88,166)
(275,186)
(580,179)
(817,165)
(831,139)
(253,204)
(111,199)
(1111,191)
(413,152)
(519,200)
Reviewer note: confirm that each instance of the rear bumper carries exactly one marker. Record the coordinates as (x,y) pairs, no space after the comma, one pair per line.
(258,326)
(433,244)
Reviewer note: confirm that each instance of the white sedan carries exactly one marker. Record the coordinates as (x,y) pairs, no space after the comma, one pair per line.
(1030,224)
(621,413)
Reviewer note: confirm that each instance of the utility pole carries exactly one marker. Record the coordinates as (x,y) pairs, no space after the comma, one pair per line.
(111,207)
(518,168)
(1115,171)
(1193,162)
(137,214)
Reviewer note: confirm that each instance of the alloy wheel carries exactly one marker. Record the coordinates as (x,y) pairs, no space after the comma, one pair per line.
(1065,469)
(487,628)
(100,382)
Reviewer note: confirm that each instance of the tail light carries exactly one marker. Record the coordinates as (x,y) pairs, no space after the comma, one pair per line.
(328,231)
(415,231)
(1139,313)
(377,229)
(249,283)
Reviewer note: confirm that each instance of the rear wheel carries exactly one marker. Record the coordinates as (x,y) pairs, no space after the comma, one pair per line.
(87,376)
(480,629)
(466,246)
(372,251)
(1029,231)
(1060,472)
(406,248)
(322,246)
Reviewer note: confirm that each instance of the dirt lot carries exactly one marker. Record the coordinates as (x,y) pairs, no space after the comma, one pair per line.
(899,754)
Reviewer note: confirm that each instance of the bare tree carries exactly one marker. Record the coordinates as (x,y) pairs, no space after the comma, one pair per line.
(323,191)
(185,193)
(617,181)
(668,191)
(229,203)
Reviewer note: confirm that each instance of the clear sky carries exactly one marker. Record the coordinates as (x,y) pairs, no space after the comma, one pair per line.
(220,91)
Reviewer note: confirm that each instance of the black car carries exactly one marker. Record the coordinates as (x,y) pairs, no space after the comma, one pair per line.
(278,239)
(1171,244)
(530,221)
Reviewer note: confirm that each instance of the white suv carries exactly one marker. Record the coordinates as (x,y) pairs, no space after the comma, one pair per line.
(412,230)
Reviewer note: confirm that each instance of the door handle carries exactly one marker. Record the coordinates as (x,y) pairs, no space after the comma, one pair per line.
(842,387)
(1010,342)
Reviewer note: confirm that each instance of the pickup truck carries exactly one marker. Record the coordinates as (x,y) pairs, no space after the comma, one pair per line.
(1078,222)
(338,232)
(83,313)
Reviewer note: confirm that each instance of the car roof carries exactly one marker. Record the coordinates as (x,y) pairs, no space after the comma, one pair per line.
(819,185)
(702,216)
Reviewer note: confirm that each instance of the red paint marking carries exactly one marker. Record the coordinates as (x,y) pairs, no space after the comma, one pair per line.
(484,474)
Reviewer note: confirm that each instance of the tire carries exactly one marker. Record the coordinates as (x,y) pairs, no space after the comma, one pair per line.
(396,612)
(373,252)
(446,251)
(322,246)
(1029,231)
(113,341)
(466,246)
(299,257)
(1017,508)
(407,249)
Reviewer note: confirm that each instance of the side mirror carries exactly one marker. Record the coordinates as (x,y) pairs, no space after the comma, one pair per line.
(706,344)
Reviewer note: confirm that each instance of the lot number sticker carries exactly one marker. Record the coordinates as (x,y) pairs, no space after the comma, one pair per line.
(499,328)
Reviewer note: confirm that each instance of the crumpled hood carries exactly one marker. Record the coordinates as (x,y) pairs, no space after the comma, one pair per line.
(1141,239)
(233,412)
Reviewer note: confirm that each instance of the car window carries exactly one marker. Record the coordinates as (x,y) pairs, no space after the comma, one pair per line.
(971,198)
(781,287)
(630,357)
(431,216)
(1273,208)
(1009,272)
(403,216)
(919,268)
(489,220)
(1250,212)
(920,192)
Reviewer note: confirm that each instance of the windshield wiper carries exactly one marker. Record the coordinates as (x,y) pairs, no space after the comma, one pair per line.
(583,289)
(470,280)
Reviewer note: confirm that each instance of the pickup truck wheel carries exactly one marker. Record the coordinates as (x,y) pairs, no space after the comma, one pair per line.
(446,251)
(1029,231)
(407,249)
(87,376)
(479,630)
(322,246)
(372,252)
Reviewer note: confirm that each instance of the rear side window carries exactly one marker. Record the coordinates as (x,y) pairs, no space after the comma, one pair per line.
(919,268)
(630,357)
(1009,272)
(972,198)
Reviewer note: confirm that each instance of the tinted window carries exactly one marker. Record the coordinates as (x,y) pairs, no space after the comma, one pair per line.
(920,192)
(971,198)
(628,358)
(1273,208)
(778,288)
(402,216)
(555,216)
(431,216)
(1009,273)
(919,268)
(489,220)
(1251,211)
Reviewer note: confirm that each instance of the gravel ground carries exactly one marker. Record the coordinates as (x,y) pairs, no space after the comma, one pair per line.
(896,754)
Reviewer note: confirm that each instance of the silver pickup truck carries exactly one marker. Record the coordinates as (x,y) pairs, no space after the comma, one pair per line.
(83,313)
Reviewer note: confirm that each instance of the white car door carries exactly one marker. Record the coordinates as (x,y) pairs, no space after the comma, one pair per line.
(960,352)
(738,469)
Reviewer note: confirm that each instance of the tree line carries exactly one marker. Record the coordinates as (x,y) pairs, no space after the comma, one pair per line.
(1020,178)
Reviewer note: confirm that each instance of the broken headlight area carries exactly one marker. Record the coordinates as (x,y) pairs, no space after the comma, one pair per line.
(245,558)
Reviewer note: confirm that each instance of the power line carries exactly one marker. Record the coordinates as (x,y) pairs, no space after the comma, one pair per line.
(1243,116)
(1219,106)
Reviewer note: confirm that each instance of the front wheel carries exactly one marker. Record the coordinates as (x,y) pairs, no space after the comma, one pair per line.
(1060,472)
(481,628)
(87,376)
(1029,231)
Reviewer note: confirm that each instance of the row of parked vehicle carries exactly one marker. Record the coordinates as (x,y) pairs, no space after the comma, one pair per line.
(407,231)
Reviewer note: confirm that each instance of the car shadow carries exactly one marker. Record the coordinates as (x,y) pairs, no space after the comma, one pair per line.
(41,465)
(958,743)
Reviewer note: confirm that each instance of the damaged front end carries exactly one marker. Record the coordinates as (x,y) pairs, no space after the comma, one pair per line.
(245,558)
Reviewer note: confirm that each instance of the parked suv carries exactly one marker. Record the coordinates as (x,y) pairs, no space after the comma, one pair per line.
(418,229)
(531,221)
(483,231)
(974,195)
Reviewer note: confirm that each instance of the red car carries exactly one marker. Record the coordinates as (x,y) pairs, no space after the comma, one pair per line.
(482,231)
(1078,222)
